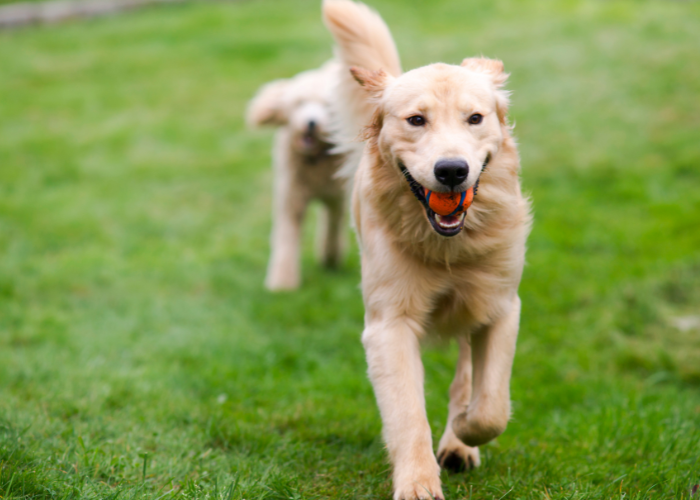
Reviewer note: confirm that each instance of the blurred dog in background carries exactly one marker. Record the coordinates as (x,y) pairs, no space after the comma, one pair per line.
(304,169)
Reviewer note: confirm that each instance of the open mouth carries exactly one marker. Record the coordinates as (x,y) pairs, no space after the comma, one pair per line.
(309,140)
(313,145)
(447,225)
(444,225)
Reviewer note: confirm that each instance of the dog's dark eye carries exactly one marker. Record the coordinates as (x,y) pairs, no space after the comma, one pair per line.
(416,121)
(475,119)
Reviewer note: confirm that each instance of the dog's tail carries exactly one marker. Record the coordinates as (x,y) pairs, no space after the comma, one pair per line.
(363,40)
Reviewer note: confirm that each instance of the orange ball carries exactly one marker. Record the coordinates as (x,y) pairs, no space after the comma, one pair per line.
(449,203)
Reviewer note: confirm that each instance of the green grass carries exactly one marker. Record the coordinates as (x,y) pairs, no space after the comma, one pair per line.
(140,356)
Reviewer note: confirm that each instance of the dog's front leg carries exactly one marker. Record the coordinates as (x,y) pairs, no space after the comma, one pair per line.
(493,350)
(396,371)
(290,200)
(284,268)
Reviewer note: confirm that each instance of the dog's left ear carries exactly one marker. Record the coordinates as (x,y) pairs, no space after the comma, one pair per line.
(493,68)
(374,82)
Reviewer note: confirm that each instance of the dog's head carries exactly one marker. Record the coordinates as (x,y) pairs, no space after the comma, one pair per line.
(439,125)
(301,103)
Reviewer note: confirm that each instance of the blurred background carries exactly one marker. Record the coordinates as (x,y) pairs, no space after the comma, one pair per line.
(141,357)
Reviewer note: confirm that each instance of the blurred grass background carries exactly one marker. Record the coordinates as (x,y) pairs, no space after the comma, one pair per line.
(140,356)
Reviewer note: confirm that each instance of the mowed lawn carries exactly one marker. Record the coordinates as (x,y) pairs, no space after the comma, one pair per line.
(141,357)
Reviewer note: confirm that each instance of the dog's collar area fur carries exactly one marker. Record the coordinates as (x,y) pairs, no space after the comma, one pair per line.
(418,191)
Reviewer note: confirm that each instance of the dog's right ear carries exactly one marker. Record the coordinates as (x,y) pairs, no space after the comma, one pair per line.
(493,68)
(268,107)
(374,82)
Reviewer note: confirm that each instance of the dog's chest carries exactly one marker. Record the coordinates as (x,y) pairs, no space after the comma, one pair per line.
(468,300)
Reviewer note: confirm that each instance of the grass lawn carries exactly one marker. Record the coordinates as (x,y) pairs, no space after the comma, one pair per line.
(140,356)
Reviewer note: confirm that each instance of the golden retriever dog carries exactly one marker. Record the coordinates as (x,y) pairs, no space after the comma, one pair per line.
(304,169)
(440,129)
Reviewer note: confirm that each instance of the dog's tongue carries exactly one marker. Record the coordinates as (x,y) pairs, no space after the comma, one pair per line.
(449,204)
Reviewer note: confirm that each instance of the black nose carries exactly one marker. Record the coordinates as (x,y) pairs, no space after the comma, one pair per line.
(312,126)
(451,172)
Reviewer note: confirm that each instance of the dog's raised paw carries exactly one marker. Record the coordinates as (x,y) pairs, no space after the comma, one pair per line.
(454,456)
(453,462)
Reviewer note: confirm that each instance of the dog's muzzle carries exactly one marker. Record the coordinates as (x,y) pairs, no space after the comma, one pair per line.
(444,225)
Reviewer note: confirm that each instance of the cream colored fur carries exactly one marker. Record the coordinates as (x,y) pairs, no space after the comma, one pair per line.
(304,169)
(416,282)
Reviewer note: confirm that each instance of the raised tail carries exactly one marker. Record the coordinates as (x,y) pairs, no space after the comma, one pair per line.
(362,37)
(363,40)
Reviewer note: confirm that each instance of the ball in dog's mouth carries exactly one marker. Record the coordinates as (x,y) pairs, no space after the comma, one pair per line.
(447,211)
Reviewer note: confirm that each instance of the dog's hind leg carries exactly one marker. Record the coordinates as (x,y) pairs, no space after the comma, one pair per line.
(396,371)
(488,412)
(331,233)
(452,453)
(289,206)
